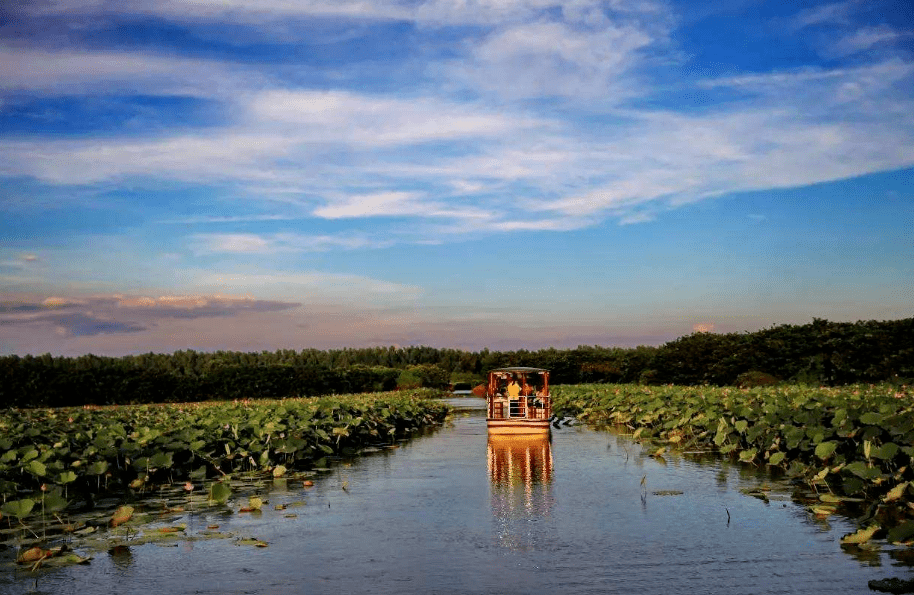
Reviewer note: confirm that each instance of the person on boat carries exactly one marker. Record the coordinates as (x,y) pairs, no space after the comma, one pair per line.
(513,388)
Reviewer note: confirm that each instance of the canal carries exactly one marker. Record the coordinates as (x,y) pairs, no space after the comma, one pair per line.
(450,512)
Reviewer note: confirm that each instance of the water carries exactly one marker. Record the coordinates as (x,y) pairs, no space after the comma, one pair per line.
(451,512)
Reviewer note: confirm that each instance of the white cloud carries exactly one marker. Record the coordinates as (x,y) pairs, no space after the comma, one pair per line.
(864,39)
(834,13)
(217,155)
(423,12)
(372,205)
(543,59)
(485,165)
(310,287)
(72,71)
(245,243)
(337,116)
(249,243)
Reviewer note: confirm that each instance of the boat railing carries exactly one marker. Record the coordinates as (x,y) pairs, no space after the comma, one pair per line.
(506,408)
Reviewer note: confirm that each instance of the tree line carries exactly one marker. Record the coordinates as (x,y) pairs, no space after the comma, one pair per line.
(821,352)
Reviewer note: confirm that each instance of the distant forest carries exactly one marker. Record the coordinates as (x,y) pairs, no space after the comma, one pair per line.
(820,353)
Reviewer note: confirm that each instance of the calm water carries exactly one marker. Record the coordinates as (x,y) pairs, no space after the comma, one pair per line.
(451,513)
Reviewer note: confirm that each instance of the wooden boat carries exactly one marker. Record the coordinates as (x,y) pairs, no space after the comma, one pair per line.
(518,401)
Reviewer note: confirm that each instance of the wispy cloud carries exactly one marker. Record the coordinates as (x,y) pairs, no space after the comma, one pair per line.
(250,243)
(864,39)
(543,59)
(312,286)
(833,13)
(103,315)
(63,71)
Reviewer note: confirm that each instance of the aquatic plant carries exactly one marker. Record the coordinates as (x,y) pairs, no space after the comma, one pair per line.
(124,450)
(852,442)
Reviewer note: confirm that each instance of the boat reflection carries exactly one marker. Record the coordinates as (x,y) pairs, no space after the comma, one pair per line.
(520,471)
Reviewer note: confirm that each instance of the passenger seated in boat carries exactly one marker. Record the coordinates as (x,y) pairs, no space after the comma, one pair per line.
(513,389)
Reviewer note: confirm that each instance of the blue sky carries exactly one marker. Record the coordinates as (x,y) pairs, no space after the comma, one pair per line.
(465,173)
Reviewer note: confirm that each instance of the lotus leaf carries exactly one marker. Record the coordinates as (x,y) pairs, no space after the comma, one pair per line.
(219,492)
(121,515)
(861,536)
(886,451)
(748,455)
(251,541)
(37,468)
(55,502)
(902,533)
(18,508)
(33,554)
(826,449)
(896,492)
(871,418)
(97,468)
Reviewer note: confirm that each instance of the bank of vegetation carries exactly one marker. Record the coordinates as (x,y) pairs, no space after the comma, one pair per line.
(853,445)
(54,457)
(819,353)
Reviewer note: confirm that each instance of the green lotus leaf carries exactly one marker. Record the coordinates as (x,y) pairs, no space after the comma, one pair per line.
(18,508)
(776,458)
(886,451)
(219,492)
(66,477)
(97,468)
(871,418)
(161,460)
(198,473)
(55,502)
(37,468)
(748,455)
(826,449)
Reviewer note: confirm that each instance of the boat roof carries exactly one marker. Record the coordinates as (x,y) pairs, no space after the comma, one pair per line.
(519,369)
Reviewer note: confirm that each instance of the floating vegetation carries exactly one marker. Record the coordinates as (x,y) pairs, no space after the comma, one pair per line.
(67,475)
(88,451)
(852,446)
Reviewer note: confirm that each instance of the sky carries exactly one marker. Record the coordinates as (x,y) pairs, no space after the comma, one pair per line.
(503,174)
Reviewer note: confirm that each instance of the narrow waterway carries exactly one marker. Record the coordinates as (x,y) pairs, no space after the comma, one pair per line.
(453,512)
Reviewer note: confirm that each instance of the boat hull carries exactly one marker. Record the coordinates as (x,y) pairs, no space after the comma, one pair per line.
(518,427)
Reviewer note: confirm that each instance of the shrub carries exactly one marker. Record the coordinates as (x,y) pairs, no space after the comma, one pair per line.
(755,378)
(423,376)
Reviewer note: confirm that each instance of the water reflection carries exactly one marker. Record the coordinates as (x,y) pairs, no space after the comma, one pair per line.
(122,557)
(520,472)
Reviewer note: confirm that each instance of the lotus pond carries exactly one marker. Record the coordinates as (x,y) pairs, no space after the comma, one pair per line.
(448,510)
(854,445)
